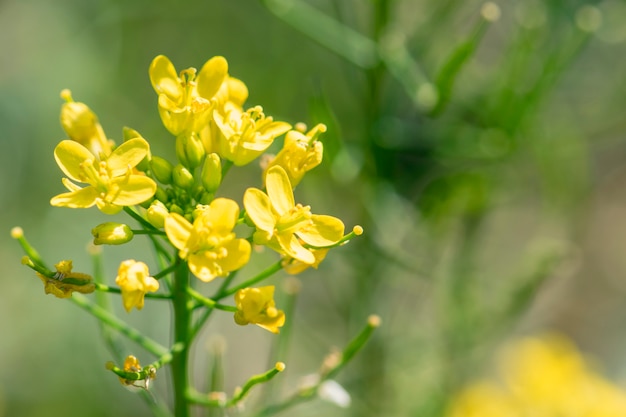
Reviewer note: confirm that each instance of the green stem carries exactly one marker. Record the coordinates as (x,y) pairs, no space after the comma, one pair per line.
(205,316)
(145,223)
(182,321)
(116,290)
(147,232)
(265,274)
(107,318)
(208,302)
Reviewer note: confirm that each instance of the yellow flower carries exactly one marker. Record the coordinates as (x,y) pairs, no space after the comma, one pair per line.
(294,266)
(283,225)
(65,281)
(131,364)
(81,125)
(135,281)
(209,244)
(257,306)
(544,376)
(243,136)
(185,100)
(112,183)
(300,153)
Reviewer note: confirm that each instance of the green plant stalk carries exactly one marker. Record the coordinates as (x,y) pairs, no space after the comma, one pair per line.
(260,277)
(309,392)
(182,321)
(107,318)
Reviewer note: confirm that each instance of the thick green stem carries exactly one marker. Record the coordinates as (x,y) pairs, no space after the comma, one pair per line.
(182,320)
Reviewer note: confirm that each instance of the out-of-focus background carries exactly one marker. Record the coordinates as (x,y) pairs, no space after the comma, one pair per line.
(482,148)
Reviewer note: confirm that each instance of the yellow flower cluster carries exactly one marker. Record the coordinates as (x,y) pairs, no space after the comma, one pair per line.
(204,110)
(542,377)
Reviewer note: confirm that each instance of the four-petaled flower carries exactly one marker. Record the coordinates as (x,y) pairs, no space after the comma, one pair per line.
(112,183)
(209,244)
(185,100)
(300,153)
(257,306)
(135,281)
(283,225)
(243,136)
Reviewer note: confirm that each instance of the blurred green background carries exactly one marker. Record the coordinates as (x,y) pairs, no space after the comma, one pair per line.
(485,158)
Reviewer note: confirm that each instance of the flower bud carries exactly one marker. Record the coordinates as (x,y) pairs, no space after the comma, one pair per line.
(161,169)
(111,233)
(182,178)
(212,173)
(82,126)
(189,150)
(156,214)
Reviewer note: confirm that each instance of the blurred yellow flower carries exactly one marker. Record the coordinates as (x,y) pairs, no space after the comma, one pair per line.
(282,225)
(65,282)
(300,153)
(257,306)
(543,377)
(112,183)
(81,125)
(185,100)
(135,281)
(243,136)
(209,244)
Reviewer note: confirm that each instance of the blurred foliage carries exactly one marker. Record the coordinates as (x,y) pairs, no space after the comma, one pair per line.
(484,157)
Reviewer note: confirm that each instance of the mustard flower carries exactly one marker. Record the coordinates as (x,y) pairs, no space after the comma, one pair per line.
(112,183)
(185,100)
(132,364)
(257,306)
(135,281)
(243,136)
(209,244)
(231,95)
(65,282)
(81,125)
(544,376)
(300,153)
(283,225)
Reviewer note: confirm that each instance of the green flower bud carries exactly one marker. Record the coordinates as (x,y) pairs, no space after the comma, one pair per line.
(182,178)
(111,233)
(161,169)
(156,214)
(189,150)
(175,208)
(212,173)
(161,195)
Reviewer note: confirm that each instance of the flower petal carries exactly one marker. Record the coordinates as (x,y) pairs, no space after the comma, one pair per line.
(164,78)
(259,209)
(238,255)
(132,190)
(81,198)
(279,189)
(211,77)
(127,155)
(275,129)
(204,267)
(178,230)
(237,91)
(69,156)
(223,214)
(323,231)
(293,248)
